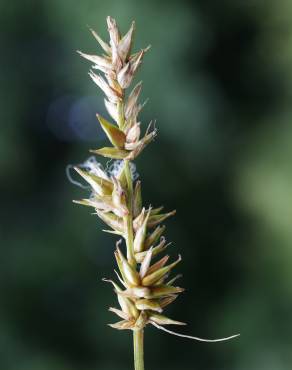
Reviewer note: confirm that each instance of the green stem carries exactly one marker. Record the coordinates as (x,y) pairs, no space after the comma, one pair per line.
(129,217)
(128,220)
(138,336)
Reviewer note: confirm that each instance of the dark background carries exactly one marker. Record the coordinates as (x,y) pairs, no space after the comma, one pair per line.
(219,79)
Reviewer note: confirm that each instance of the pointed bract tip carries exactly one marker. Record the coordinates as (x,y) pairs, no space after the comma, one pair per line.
(77,169)
(118,243)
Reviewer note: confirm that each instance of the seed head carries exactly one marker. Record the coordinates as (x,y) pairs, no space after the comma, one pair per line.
(116,195)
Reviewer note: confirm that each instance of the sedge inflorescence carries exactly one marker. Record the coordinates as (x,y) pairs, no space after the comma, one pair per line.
(143,287)
(143,290)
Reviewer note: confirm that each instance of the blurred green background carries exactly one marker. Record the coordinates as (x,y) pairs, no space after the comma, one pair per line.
(219,79)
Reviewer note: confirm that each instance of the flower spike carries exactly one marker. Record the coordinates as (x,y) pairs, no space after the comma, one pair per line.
(145,288)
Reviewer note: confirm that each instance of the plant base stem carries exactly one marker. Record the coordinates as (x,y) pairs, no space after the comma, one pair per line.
(138,337)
